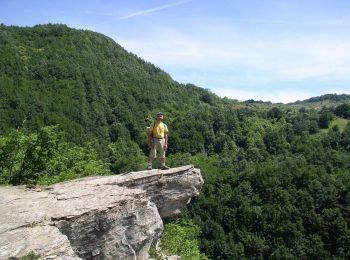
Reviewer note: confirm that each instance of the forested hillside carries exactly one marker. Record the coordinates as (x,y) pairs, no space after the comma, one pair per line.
(277,177)
(84,82)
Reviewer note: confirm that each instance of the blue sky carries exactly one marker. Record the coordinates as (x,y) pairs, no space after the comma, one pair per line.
(273,50)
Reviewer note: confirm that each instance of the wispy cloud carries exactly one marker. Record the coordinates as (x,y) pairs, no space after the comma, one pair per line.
(233,62)
(246,46)
(144,12)
(263,58)
(154,9)
(296,59)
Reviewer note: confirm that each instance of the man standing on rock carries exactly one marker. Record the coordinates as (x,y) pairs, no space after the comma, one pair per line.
(158,141)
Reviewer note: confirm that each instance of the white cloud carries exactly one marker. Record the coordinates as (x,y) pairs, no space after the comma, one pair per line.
(276,96)
(282,58)
(283,96)
(220,58)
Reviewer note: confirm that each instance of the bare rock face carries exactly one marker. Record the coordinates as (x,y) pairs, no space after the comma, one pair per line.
(104,217)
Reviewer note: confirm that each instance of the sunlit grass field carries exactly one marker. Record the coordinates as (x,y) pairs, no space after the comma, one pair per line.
(340,122)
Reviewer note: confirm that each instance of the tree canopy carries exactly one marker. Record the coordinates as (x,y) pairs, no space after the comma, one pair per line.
(74,103)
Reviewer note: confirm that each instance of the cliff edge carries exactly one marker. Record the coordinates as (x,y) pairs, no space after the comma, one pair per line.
(102,217)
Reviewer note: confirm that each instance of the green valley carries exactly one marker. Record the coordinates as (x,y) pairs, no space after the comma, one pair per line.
(74,103)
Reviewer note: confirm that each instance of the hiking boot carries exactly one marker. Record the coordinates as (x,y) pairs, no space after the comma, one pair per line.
(164,167)
(149,167)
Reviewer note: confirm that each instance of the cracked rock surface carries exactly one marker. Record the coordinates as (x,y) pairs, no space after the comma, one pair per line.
(102,217)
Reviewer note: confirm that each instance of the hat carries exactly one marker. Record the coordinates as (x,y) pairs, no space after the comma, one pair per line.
(159,113)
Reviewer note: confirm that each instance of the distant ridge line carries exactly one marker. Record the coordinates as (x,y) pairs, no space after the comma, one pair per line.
(332,97)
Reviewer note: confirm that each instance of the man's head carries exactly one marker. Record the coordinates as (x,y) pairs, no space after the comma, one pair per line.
(160,116)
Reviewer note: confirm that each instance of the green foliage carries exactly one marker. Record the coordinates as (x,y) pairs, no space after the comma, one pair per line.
(45,158)
(283,208)
(276,186)
(343,110)
(328,100)
(345,137)
(181,239)
(154,254)
(329,97)
(12,153)
(86,83)
(324,120)
(339,122)
(275,113)
(30,256)
(125,156)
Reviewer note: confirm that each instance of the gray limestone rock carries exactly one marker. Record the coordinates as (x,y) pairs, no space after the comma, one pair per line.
(102,217)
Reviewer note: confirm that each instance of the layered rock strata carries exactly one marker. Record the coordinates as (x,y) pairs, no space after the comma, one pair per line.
(103,217)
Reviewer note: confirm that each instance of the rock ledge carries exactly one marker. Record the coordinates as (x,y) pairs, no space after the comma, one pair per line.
(102,217)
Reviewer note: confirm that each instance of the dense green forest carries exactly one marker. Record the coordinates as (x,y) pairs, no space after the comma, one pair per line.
(74,103)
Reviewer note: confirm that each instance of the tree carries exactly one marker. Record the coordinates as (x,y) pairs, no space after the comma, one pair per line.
(182,239)
(324,120)
(45,158)
(275,113)
(343,110)
(12,147)
(125,155)
(345,137)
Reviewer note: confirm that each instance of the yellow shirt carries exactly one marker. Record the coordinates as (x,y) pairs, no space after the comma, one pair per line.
(158,129)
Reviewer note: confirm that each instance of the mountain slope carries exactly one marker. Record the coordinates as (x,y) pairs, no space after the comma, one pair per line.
(83,81)
(276,176)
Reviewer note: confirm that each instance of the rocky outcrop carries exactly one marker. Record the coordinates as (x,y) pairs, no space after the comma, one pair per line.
(104,217)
